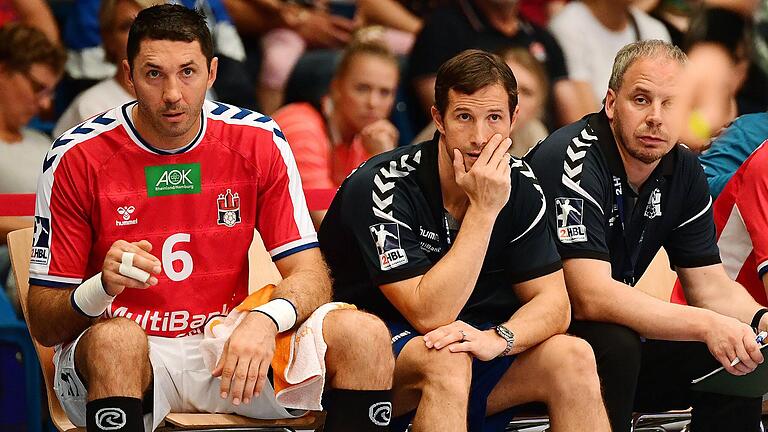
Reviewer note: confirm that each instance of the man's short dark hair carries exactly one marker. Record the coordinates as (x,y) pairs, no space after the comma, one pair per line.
(22,46)
(470,71)
(169,22)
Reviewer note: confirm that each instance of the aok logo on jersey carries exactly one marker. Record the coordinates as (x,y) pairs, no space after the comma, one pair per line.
(387,239)
(177,179)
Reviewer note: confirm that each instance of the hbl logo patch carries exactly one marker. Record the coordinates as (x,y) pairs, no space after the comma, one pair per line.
(569,213)
(387,239)
(42,242)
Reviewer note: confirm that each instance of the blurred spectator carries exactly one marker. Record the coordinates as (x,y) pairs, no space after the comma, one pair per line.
(717,44)
(591,32)
(489,25)
(115,18)
(532,86)
(34,13)
(351,125)
(732,148)
(30,68)
(87,63)
(540,12)
(318,24)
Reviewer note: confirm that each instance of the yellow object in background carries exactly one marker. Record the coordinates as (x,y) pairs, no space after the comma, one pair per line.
(699,125)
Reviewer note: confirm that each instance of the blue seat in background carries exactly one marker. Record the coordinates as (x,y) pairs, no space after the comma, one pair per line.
(17,396)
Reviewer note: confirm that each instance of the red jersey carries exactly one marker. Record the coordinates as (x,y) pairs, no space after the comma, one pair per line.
(198,206)
(741,217)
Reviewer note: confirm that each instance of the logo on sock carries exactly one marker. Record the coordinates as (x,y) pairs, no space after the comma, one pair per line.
(380,413)
(111,418)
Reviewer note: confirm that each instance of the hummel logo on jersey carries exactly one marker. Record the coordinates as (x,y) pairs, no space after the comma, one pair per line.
(42,241)
(569,220)
(229,209)
(387,239)
(125,212)
(172,179)
(653,208)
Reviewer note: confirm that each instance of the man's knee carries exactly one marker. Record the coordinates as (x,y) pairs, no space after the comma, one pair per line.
(575,371)
(447,372)
(357,336)
(112,344)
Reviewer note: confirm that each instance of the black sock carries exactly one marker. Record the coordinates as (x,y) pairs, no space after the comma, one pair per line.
(357,410)
(118,414)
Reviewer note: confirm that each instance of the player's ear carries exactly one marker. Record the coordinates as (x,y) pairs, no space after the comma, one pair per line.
(212,71)
(126,70)
(438,119)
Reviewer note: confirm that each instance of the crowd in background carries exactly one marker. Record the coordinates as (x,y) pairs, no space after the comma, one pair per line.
(347,79)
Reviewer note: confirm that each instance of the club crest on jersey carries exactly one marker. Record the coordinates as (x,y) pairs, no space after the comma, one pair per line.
(41,252)
(386,236)
(126,213)
(569,212)
(653,208)
(229,209)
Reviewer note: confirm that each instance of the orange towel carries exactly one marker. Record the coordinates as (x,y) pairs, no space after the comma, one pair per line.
(299,361)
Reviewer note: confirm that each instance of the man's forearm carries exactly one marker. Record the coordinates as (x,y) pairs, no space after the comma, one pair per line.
(51,316)
(737,303)
(445,288)
(307,289)
(647,315)
(542,317)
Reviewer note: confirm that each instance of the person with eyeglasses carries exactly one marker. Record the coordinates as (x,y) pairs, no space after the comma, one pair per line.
(30,68)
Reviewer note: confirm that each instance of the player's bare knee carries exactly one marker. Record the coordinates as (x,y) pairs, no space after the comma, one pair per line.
(578,373)
(353,335)
(113,343)
(450,372)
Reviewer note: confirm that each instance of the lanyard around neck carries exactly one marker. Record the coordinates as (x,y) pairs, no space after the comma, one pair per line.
(632,254)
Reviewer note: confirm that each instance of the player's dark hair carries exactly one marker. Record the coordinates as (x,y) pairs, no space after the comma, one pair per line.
(173,23)
(22,45)
(470,71)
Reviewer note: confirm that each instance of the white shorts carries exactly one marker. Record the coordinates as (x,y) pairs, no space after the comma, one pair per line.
(181,383)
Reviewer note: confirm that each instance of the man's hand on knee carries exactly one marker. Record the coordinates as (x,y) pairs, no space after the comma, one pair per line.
(459,336)
(246,357)
(129,265)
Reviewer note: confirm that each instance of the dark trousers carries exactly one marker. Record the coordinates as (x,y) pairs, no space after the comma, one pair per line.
(654,376)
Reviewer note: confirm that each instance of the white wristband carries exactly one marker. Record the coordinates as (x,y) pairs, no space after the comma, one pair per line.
(90,298)
(281,311)
(128,270)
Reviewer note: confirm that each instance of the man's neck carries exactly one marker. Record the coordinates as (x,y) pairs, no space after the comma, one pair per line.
(455,200)
(7,133)
(612,14)
(502,16)
(160,142)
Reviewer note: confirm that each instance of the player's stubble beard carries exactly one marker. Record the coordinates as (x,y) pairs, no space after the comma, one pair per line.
(165,129)
(636,152)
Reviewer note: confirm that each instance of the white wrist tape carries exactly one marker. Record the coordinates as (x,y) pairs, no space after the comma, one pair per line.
(90,299)
(282,312)
(128,270)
